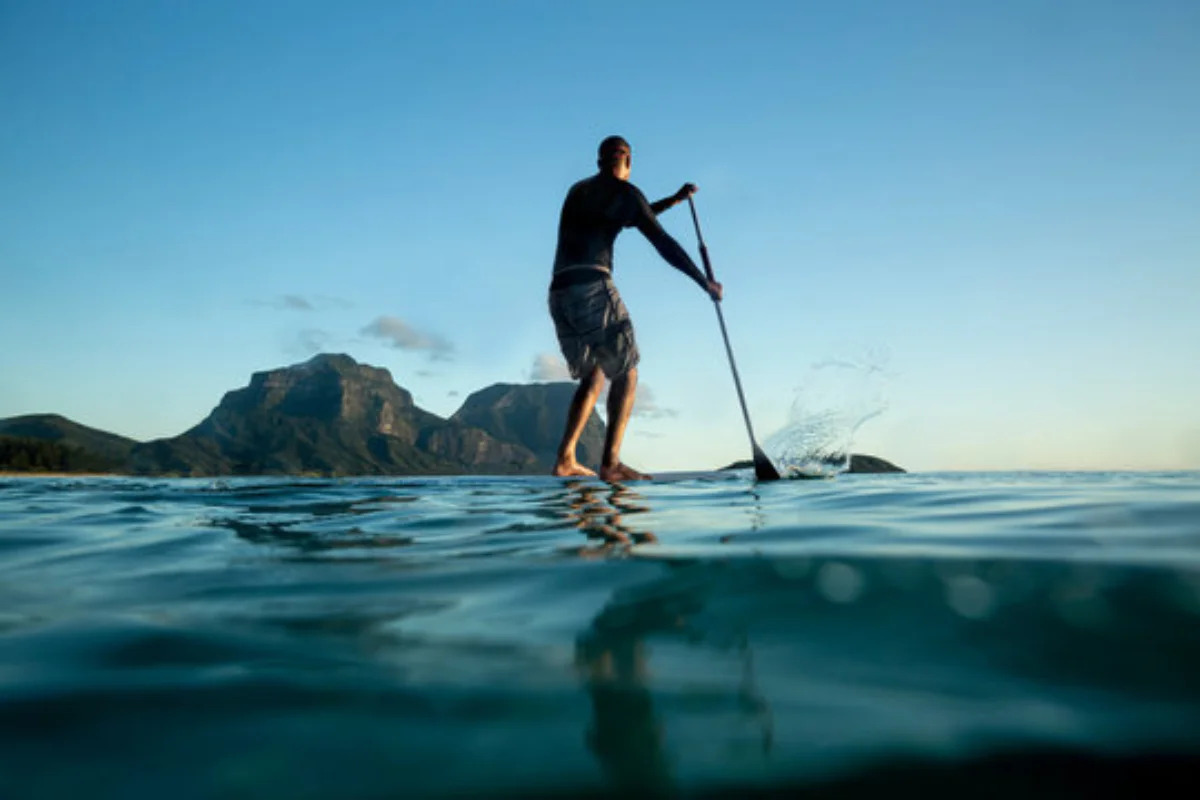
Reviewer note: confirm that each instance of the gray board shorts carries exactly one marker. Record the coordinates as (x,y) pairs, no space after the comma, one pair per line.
(593,328)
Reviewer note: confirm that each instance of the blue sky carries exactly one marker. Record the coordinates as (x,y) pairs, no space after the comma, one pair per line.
(994,205)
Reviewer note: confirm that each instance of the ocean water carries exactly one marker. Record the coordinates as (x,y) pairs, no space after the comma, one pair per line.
(949,634)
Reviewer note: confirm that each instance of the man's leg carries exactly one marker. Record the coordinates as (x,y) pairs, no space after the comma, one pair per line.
(581,408)
(620,404)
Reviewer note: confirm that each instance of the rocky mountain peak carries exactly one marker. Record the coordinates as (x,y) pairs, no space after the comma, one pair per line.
(326,387)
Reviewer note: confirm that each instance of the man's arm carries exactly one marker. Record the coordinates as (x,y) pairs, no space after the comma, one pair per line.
(685,191)
(671,250)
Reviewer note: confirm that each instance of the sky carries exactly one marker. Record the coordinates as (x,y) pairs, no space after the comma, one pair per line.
(983,216)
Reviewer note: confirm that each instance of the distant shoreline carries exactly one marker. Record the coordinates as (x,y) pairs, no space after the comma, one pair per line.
(16,474)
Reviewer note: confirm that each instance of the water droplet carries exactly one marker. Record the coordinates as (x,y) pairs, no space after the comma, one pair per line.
(970,596)
(840,583)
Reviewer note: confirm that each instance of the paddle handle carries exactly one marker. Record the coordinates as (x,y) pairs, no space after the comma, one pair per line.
(708,270)
(737,380)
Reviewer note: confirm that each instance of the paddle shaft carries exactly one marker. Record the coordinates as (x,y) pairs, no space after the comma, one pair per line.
(737,381)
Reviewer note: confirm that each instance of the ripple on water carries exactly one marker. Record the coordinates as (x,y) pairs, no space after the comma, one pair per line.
(247,635)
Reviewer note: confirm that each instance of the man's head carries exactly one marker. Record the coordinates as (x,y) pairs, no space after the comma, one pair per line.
(616,156)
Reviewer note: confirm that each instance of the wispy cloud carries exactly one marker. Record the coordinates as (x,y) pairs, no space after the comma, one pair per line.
(315,340)
(297,302)
(325,301)
(312,340)
(645,405)
(396,333)
(548,367)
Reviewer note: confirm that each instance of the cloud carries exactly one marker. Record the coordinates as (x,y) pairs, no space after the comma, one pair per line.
(296,302)
(548,367)
(286,302)
(325,301)
(310,341)
(645,405)
(398,334)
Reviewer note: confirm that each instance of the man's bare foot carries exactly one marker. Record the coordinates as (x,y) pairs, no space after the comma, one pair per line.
(565,469)
(621,472)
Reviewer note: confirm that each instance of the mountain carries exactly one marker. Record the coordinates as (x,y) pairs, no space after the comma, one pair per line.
(331,416)
(532,415)
(328,416)
(871,464)
(107,450)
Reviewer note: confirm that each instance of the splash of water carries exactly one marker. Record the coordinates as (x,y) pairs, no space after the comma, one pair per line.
(832,402)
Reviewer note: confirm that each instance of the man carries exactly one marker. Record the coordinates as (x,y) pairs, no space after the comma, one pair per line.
(593,327)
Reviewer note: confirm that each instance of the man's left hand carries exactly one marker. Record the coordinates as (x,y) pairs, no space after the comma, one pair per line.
(685,191)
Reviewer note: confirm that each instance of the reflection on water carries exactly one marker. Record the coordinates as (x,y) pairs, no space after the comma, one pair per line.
(614,657)
(614,654)
(624,734)
(601,511)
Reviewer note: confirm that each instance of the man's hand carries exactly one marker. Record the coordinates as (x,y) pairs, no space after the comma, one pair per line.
(685,191)
(715,291)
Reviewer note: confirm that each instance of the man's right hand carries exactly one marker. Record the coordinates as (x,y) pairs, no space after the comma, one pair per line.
(715,290)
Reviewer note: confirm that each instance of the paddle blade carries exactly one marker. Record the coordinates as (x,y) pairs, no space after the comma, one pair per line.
(764,470)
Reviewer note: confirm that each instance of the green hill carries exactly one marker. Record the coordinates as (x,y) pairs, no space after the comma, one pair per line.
(51,442)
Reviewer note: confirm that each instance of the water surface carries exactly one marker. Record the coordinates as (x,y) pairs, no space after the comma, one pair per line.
(948,633)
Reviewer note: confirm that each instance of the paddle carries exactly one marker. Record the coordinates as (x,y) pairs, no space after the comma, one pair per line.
(764,470)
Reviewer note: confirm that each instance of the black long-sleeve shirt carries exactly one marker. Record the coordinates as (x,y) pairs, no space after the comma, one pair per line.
(595,211)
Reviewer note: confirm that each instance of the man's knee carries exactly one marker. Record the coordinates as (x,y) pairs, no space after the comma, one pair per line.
(593,382)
